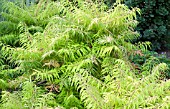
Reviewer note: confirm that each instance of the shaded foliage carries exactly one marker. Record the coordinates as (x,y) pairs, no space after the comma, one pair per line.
(153,22)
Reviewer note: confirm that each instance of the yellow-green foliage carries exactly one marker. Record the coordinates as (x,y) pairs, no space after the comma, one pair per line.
(85,53)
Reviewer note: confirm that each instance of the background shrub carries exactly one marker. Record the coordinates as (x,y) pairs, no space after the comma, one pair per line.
(154,21)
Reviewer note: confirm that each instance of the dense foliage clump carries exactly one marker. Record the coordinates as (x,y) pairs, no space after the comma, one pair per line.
(154,22)
(77,55)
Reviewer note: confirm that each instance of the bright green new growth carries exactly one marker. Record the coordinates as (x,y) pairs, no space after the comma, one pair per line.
(82,50)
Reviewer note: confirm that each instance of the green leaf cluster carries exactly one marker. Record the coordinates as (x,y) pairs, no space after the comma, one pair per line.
(76,55)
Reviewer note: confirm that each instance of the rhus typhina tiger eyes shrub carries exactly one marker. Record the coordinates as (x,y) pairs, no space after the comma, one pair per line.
(82,57)
(36,17)
(20,23)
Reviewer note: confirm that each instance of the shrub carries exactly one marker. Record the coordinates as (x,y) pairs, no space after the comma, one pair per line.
(82,57)
(154,21)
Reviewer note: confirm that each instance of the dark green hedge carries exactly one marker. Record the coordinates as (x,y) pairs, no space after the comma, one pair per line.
(154,22)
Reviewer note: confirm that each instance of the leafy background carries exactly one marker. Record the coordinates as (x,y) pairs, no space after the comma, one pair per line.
(153,22)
